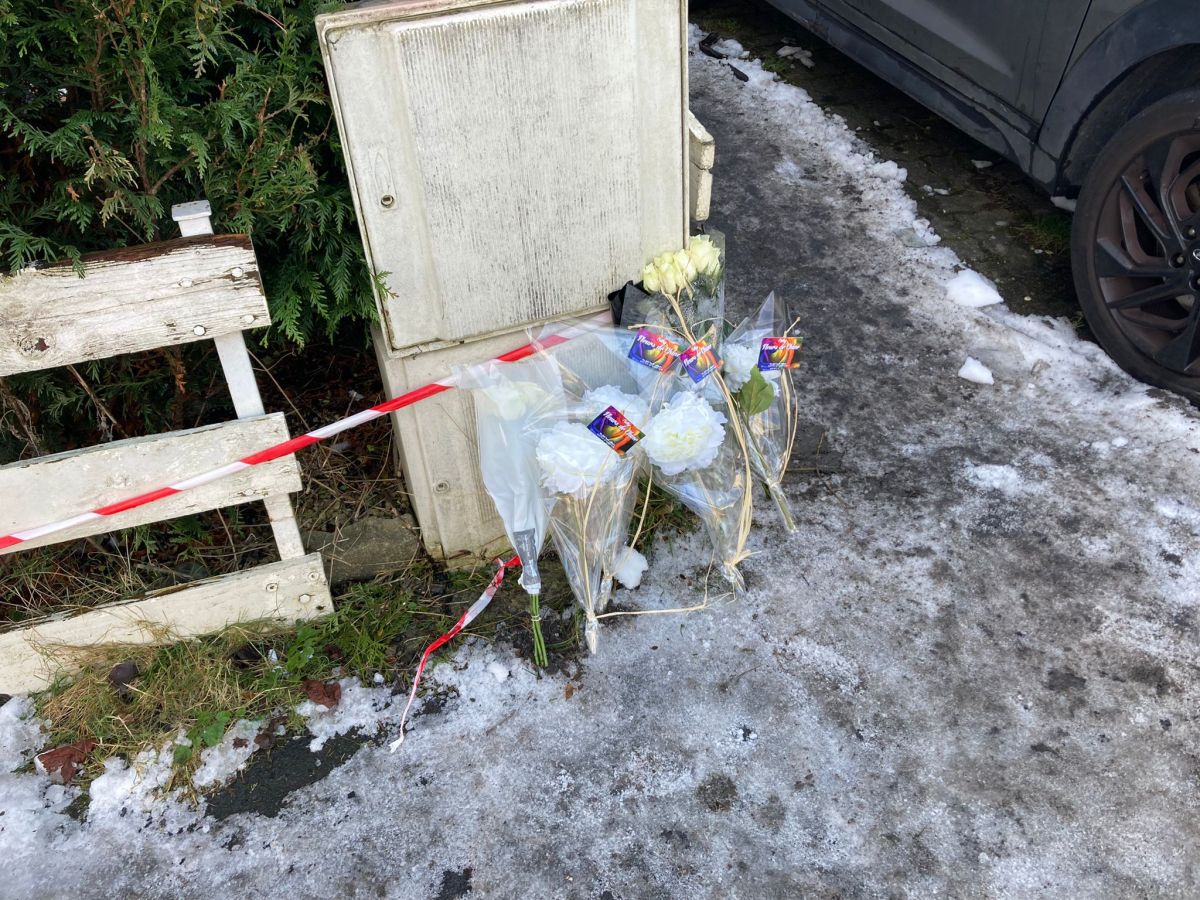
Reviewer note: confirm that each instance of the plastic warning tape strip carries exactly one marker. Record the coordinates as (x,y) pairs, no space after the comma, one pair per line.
(464,620)
(288,447)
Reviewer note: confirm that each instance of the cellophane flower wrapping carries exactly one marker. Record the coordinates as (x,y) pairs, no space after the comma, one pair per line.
(515,404)
(697,461)
(764,398)
(595,486)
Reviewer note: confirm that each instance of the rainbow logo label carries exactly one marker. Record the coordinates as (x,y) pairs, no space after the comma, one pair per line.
(699,361)
(779,353)
(615,430)
(654,350)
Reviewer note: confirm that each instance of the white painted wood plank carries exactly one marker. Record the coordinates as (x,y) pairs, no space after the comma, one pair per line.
(702,149)
(34,492)
(499,188)
(288,591)
(243,388)
(284,527)
(700,193)
(239,375)
(140,298)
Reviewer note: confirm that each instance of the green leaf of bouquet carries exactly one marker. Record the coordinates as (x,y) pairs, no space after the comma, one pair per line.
(756,394)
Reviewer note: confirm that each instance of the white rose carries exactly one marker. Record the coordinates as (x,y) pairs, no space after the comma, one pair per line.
(685,434)
(669,276)
(573,459)
(651,283)
(705,255)
(633,407)
(684,263)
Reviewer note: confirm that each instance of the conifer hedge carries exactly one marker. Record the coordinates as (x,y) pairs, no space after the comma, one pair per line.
(112,110)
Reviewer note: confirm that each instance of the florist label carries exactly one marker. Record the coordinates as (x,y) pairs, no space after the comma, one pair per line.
(698,360)
(779,353)
(615,430)
(654,350)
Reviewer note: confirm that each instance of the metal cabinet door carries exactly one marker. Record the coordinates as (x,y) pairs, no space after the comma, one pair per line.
(1014,50)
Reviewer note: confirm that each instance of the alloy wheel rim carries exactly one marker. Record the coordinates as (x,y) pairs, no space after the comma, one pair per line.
(1147,252)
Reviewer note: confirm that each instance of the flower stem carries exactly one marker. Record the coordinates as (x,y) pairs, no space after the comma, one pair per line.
(540,659)
(775,489)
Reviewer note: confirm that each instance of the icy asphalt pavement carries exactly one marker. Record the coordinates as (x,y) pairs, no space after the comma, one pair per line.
(971,673)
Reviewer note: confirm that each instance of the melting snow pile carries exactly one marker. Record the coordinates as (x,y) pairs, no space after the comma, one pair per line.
(969,288)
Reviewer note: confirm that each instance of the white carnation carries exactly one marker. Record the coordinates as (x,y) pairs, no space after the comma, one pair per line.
(685,434)
(572,459)
(633,407)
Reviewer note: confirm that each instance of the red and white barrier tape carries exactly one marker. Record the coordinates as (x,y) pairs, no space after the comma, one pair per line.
(286,448)
(466,619)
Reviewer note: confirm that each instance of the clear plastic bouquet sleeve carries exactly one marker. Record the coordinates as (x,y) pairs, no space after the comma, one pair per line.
(764,397)
(515,403)
(697,460)
(591,463)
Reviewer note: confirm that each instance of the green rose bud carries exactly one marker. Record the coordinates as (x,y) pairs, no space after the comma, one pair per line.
(705,255)
(684,261)
(651,283)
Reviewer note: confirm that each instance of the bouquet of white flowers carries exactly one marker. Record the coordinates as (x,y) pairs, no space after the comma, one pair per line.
(516,404)
(714,478)
(699,463)
(590,463)
(760,355)
(695,277)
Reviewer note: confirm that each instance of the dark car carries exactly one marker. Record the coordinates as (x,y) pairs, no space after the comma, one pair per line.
(1097,101)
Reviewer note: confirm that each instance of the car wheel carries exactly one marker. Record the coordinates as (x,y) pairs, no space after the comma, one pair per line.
(1135,245)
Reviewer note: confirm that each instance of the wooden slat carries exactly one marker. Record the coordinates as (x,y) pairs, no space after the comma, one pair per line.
(155,295)
(289,591)
(34,492)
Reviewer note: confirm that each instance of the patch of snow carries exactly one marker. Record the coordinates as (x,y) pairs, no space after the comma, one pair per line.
(499,670)
(630,566)
(360,708)
(1002,478)
(731,48)
(973,370)
(969,288)
(220,763)
(982,163)
(20,733)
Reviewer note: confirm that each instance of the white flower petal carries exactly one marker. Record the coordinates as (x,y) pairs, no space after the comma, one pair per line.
(685,434)
(572,459)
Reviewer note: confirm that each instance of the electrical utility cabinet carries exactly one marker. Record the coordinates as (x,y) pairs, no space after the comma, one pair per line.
(511,163)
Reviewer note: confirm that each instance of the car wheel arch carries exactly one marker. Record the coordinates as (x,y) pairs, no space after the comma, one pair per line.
(1149,52)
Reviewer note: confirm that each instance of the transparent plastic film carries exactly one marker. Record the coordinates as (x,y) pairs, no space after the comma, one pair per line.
(760,355)
(516,403)
(590,462)
(698,460)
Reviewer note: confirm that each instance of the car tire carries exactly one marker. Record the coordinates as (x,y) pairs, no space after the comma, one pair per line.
(1135,245)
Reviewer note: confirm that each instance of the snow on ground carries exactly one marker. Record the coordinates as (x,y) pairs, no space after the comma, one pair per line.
(969,288)
(971,672)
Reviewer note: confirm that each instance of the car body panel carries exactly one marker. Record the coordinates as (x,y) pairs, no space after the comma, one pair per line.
(1082,48)
(973,110)
(1111,44)
(1015,50)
